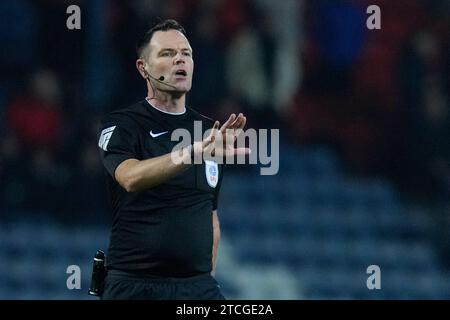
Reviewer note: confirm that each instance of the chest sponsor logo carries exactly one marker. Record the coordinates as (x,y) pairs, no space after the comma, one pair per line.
(157,134)
(212,173)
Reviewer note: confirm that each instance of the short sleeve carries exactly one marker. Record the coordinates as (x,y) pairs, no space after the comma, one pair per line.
(117,143)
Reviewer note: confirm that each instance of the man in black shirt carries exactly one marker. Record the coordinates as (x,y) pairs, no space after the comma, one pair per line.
(165,231)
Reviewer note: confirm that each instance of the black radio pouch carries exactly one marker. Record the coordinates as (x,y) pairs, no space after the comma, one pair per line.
(98,274)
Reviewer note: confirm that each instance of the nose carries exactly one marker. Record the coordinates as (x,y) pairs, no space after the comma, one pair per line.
(179,58)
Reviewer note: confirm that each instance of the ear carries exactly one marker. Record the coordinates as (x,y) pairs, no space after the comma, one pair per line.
(140,66)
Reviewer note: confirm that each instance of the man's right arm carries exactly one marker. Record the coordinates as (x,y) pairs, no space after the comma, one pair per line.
(135,175)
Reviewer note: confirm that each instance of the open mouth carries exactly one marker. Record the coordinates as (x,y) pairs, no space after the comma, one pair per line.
(181,73)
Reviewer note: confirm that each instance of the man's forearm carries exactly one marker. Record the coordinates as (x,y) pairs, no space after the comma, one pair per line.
(134,175)
(216,240)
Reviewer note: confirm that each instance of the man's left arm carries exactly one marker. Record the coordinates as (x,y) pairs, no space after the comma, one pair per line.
(216,240)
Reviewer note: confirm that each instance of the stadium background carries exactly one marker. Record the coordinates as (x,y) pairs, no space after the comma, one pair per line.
(363,115)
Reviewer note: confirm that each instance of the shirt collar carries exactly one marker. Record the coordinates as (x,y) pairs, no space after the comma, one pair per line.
(167,112)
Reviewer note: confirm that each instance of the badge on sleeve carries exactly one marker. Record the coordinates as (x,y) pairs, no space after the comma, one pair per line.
(212,173)
(105,136)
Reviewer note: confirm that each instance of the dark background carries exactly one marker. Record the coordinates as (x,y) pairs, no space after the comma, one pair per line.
(364,141)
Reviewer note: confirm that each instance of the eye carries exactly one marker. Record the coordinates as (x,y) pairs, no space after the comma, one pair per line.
(187,53)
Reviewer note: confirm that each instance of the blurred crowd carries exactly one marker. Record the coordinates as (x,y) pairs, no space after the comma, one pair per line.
(380,98)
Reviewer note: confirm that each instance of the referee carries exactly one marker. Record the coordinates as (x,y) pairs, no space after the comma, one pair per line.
(165,229)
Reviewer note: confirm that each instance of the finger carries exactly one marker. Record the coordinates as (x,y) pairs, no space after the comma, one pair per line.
(236,121)
(230,120)
(211,136)
(243,123)
(214,129)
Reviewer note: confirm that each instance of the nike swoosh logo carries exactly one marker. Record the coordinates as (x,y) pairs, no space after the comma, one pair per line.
(154,135)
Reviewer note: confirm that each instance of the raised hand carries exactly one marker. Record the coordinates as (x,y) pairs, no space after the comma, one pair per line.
(220,142)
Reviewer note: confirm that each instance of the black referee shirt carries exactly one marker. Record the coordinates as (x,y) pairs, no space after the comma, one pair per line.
(166,230)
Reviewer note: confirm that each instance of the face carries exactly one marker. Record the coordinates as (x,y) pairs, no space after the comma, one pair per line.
(170,55)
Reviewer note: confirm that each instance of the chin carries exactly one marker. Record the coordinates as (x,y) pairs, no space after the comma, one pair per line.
(183,89)
(180,91)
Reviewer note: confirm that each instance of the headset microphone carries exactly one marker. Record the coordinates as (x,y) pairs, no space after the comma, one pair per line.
(160,79)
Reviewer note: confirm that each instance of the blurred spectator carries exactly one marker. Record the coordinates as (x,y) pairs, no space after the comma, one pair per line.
(232,17)
(282,23)
(250,65)
(340,36)
(35,116)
